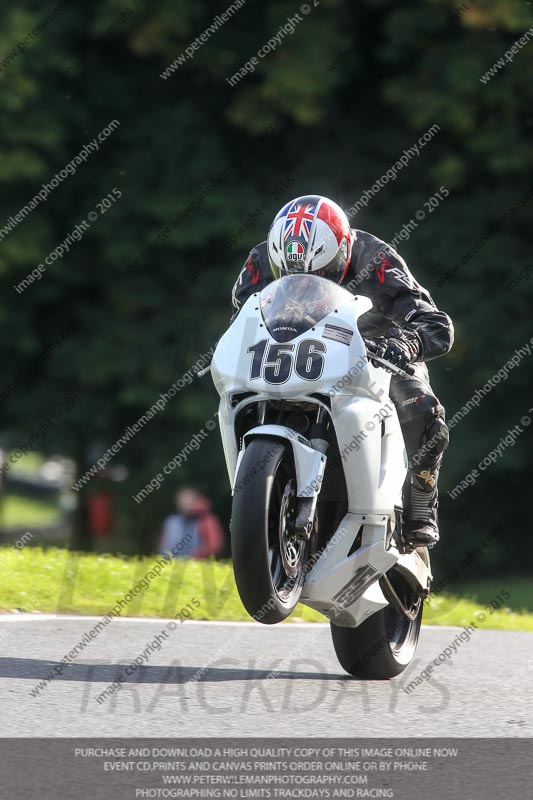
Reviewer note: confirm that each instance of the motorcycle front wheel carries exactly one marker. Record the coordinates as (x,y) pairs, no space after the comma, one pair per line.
(268,560)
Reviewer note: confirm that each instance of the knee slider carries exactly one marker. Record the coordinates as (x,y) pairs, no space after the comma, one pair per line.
(436,436)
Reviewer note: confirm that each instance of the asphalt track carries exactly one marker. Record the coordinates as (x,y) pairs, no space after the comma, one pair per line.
(233,679)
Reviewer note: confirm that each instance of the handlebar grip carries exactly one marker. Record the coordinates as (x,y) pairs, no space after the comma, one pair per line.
(408,372)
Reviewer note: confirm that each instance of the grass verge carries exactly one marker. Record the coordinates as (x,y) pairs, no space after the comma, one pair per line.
(58,581)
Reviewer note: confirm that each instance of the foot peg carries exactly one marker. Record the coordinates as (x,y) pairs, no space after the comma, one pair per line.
(417,535)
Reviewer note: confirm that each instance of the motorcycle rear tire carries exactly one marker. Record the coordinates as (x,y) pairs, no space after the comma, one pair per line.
(381,647)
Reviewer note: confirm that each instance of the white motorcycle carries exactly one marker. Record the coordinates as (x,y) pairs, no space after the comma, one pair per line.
(317,462)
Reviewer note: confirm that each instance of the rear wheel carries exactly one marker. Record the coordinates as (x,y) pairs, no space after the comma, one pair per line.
(384,644)
(268,560)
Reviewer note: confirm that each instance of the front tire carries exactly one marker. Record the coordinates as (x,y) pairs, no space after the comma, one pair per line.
(268,561)
(382,646)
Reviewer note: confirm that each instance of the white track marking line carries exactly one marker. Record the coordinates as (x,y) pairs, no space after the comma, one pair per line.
(10,618)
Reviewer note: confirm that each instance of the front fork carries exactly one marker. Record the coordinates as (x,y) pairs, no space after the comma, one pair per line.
(306,508)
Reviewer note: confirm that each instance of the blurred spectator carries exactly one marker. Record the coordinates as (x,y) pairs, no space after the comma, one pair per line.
(194,532)
(99,507)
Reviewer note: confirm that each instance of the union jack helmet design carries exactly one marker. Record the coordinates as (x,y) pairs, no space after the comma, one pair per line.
(310,234)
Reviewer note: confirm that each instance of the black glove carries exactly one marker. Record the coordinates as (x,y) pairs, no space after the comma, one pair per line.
(399,350)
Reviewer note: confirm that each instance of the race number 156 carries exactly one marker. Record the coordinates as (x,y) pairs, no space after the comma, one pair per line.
(276,363)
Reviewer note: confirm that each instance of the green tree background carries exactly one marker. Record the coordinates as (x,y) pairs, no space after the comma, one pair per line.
(328,112)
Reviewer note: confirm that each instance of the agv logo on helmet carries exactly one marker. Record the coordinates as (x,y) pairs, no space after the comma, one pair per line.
(295,251)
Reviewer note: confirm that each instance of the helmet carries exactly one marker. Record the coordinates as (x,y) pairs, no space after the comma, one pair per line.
(310,234)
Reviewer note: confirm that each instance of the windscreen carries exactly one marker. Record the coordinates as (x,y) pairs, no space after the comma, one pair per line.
(293,305)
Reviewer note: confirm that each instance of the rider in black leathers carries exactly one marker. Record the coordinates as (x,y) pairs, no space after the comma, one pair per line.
(405,327)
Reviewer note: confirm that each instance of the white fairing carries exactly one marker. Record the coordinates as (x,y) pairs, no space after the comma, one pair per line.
(344,588)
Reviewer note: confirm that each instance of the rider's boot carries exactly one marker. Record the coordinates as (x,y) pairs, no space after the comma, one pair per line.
(421,527)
